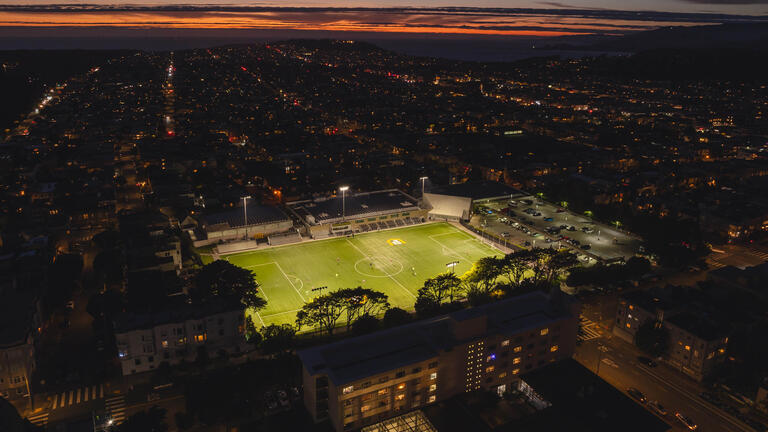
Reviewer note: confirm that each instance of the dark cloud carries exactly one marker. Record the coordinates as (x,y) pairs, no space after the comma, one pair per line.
(728,2)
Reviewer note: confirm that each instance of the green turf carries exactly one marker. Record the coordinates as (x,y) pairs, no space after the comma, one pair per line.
(288,273)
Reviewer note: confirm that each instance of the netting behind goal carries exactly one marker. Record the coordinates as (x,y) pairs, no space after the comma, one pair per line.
(285,238)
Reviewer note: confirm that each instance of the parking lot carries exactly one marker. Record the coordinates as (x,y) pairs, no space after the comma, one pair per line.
(528,221)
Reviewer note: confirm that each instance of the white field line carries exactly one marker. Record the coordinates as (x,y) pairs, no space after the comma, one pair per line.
(454,252)
(282,313)
(260,319)
(291,282)
(390,276)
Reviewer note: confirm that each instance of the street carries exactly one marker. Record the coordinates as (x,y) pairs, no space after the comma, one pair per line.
(616,361)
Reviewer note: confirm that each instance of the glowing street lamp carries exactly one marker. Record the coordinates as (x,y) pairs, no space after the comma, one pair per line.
(452,266)
(343,190)
(245,214)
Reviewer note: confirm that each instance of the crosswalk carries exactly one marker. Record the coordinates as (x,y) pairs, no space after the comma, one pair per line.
(115,407)
(588,329)
(39,419)
(760,253)
(76,396)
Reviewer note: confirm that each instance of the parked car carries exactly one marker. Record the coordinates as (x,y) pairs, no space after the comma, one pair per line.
(687,421)
(586,247)
(637,395)
(548,219)
(646,361)
(657,408)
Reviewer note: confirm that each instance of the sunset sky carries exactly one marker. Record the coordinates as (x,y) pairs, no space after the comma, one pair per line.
(482,17)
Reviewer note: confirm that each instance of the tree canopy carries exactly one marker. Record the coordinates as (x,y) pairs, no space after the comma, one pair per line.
(221,278)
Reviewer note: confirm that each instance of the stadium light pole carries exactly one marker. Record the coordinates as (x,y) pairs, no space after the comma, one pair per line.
(343,190)
(423,179)
(245,214)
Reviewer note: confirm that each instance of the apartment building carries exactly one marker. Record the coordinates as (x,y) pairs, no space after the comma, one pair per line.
(178,334)
(696,343)
(370,378)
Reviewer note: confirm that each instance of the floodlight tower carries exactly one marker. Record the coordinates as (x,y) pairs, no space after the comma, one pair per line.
(245,214)
(423,179)
(343,190)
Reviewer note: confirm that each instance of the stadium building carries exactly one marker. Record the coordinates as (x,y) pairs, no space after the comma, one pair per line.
(367,379)
(255,222)
(358,212)
(454,202)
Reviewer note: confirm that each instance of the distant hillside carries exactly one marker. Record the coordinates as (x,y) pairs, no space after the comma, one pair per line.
(722,36)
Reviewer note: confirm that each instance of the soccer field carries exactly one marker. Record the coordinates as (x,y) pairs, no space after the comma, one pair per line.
(395,262)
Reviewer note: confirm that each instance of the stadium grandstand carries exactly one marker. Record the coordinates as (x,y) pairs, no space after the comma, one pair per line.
(454,202)
(358,212)
(230,225)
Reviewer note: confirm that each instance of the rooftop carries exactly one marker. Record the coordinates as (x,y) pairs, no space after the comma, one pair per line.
(355,358)
(178,311)
(325,210)
(257,215)
(476,190)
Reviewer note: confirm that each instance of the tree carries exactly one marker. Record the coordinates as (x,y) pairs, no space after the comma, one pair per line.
(558,263)
(482,278)
(361,301)
(365,324)
(251,334)
(435,291)
(515,264)
(151,420)
(323,311)
(221,278)
(652,338)
(277,339)
(539,259)
(395,317)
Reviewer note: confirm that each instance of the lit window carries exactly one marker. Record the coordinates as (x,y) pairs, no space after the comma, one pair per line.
(431,399)
(433,387)
(516,360)
(515,371)
(200,338)
(505,342)
(401,386)
(518,348)
(383,391)
(433,376)
(629,325)
(400,397)
(554,348)
(490,368)
(165,344)
(348,389)
(687,347)
(631,307)
(721,351)
(364,408)
(544,331)
(502,375)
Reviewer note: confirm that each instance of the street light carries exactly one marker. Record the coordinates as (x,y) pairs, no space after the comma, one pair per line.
(423,179)
(452,266)
(343,190)
(245,214)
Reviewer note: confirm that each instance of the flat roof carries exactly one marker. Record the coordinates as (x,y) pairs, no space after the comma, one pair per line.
(361,204)
(257,215)
(476,190)
(362,356)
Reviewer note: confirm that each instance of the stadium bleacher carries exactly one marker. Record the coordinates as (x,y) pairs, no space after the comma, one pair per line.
(356,206)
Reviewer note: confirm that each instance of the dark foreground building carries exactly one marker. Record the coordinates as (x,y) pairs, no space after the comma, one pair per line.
(366,379)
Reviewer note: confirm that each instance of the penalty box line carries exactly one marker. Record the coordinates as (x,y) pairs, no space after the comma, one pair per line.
(388,275)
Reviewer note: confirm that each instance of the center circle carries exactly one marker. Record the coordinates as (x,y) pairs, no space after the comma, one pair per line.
(378,266)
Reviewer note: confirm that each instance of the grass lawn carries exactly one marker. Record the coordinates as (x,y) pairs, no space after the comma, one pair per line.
(395,262)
